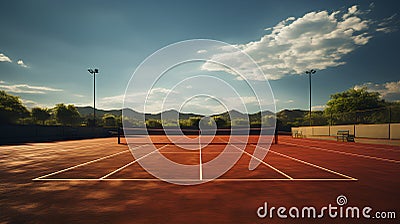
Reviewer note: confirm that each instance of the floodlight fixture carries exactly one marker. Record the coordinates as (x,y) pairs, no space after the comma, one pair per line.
(310,72)
(93,72)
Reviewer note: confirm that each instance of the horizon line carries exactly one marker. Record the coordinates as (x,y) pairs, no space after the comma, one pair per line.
(195,113)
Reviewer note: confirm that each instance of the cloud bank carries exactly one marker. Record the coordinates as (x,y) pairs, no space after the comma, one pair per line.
(317,40)
(25,88)
(389,90)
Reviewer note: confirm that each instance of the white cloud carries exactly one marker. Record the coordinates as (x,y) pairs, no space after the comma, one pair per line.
(318,107)
(25,88)
(389,90)
(202,51)
(21,63)
(248,99)
(31,104)
(384,29)
(4,58)
(351,11)
(372,5)
(392,87)
(161,90)
(110,102)
(154,100)
(203,105)
(317,40)
(388,25)
(290,101)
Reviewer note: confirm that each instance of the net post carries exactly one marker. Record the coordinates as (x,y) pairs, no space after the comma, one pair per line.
(119,134)
(390,121)
(276,136)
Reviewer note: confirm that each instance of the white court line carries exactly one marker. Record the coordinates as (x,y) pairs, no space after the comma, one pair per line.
(358,146)
(307,163)
(344,153)
(128,164)
(200,162)
(195,180)
(266,164)
(310,164)
(42,178)
(193,151)
(83,164)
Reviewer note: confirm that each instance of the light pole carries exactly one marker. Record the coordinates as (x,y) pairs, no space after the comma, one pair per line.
(93,72)
(310,72)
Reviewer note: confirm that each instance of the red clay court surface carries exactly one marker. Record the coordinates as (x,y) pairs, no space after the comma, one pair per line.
(99,181)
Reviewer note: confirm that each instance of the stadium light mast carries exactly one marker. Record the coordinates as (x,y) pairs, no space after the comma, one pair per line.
(93,72)
(310,72)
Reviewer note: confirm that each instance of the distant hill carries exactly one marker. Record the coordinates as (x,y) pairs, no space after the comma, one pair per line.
(286,118)
(233,114)
(169,114)
(172,114)
(86,111)
(290,118)
(291,115)
(132,114)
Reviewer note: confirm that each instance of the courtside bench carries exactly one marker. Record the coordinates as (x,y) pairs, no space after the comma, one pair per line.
(344,135)
(297,134)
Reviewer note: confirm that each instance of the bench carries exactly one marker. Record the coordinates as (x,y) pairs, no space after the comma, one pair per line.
(297,134)
(344,135)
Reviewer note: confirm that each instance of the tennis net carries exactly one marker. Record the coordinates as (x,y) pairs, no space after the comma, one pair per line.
(194,136)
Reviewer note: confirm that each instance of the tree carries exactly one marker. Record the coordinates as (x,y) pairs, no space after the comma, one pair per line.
(221,122)
(191,122)
(268,120)
(291,118)
(40,114)
(11,109)
(343,107)
(109,120)
(153,123)
(353,100)
(394,112)
(67,115)
(318,118)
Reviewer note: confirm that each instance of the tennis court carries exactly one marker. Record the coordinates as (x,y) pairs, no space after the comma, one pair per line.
(98,180)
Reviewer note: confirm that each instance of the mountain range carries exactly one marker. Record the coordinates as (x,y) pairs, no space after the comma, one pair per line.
(166,115)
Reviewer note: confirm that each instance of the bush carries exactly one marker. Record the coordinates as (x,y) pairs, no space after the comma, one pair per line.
(11,109)
(153,123)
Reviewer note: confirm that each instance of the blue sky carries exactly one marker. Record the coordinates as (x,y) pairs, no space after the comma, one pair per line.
(47,46)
